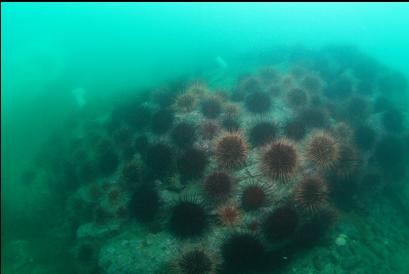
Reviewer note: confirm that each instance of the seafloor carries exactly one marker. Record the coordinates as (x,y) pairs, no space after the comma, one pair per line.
(294,163)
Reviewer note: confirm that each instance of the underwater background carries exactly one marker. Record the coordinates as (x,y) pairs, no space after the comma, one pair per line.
(204,138)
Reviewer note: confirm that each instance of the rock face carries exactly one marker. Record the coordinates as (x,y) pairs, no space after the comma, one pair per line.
(405,198)
(279,153)
(95,231)
(134,254)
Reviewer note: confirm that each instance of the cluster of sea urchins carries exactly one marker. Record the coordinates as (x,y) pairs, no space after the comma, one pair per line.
(266,158)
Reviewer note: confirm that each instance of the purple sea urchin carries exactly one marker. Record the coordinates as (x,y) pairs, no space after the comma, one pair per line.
(243,252)
(145,203)
(231,124)
(159,158)
(188,218)
(211,107)
(162,121)
(258,102)
(280,224)
(348,161)
(196,260)
(297,98)
(262,133)
(314,117)
(183,134)
(295,130)
(192,163)
(218,185)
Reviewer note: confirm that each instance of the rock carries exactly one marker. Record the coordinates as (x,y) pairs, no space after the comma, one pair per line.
(332,258)
(376,249)
(134,254)
(317,262)
(350,264)
(349,229)
(93,230)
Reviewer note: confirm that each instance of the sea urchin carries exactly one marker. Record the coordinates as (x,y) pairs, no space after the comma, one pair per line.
(218,185)
(279,160)
(242,251)
(254,196)
(311,194)
(188,218)
(231,150)
(322,150)
(196,261)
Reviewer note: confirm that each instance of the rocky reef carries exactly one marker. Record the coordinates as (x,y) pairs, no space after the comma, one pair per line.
(299,166)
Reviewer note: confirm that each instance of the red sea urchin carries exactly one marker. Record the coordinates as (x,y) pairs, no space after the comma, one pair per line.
(229,214)
(311,194)
(279,160)
(231,151)
(322,150)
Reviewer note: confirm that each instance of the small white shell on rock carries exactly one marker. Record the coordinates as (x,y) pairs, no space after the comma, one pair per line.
(341,240)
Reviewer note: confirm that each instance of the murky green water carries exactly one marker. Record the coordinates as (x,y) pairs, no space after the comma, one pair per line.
(204,138)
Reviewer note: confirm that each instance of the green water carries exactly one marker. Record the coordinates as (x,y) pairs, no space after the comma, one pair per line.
(81,83)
